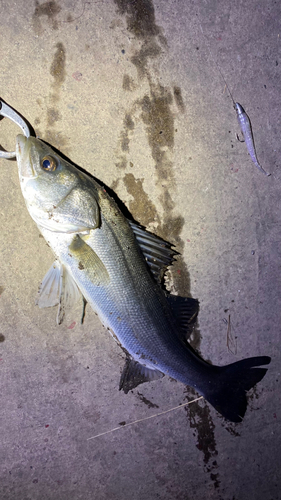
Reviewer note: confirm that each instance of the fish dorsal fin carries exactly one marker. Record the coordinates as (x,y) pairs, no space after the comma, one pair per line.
(186,310)
(58,288)
(158,253)
(134,374)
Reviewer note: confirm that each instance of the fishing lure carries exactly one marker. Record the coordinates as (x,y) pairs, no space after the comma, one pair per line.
(246,128)
(243,120)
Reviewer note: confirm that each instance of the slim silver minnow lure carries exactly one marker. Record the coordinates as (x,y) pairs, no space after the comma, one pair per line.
(246,129)
(243,119)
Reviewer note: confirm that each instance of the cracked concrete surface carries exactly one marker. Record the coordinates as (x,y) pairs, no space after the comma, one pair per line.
(134,92)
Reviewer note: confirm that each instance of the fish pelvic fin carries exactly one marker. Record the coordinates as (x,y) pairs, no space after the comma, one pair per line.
(48,293)
(228,394)
(58,288)
(134,374)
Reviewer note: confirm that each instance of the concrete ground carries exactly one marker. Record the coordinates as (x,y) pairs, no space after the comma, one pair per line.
(133,92)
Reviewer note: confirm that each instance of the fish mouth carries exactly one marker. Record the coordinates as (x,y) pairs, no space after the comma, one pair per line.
(23,145)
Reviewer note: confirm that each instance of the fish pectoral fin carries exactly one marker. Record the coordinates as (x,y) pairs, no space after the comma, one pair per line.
(158,253)
(58,288)
(135,373)
(186,310)
(88,262)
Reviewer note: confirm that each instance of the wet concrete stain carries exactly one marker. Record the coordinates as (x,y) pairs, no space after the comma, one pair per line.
(57,139)
(155,110)
(179,99)
(156,113)
(128,83)
(140,17)
(57,70)
(148,51)
(201,422)
(158,118)
(49,9)
(141,202)
(128,127)
(146,401)
(125,142)
(52,116)
(122,163)
(230,427)
(114,184)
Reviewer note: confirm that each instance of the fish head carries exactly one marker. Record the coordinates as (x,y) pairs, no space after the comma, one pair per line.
(58,196)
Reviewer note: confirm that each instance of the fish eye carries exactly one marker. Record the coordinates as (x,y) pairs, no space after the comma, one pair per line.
(49,163)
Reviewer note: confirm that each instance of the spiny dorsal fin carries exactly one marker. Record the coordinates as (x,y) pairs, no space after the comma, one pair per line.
(157,252)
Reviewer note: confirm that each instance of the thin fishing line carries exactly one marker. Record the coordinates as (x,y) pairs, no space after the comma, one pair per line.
(230,93)
(146,418)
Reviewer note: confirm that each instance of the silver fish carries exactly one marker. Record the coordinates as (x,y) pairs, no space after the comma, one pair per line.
(246,129)
(117,266)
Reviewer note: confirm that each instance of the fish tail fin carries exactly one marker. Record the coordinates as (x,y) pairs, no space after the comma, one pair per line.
(228,394)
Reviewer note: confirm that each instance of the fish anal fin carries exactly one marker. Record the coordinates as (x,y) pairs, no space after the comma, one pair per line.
(135,373)
(157,252)
(185,310)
